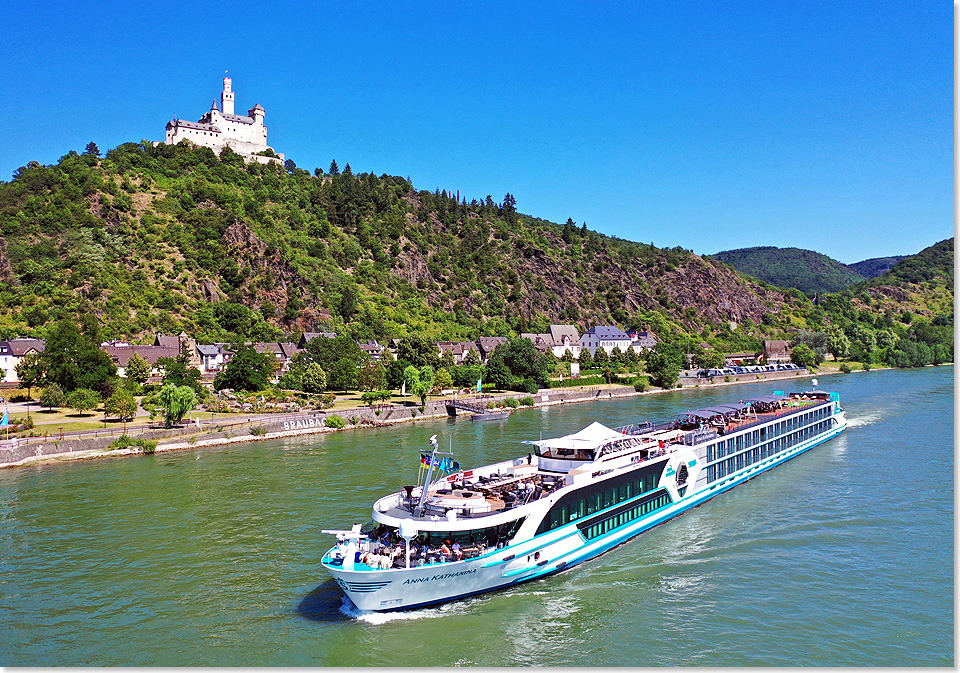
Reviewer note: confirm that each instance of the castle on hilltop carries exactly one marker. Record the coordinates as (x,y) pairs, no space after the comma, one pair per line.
(220,127)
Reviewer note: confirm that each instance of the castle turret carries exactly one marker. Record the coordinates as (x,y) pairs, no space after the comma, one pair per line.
(226,98)
(256,112)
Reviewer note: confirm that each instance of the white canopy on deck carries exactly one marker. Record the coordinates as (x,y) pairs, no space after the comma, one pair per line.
(592,437)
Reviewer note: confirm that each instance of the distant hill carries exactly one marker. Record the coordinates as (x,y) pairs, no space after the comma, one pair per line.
(871,268)
(806,270)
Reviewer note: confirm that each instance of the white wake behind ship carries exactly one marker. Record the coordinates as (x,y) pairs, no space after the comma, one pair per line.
(568,500)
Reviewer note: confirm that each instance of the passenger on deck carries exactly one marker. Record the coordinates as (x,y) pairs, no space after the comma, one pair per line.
(445,549)
(457,552)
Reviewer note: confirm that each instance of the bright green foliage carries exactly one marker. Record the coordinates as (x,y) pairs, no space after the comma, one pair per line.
(72,358)
(803,355)
(372,397)
(83,399)
(419,382)
(314,379)
(521,359)
(372,376)
(663,368)
(138,369)
(121,404)
(247,370)
(443,380)
(30,371)
(335,422)
(175,371)
(418,350)
(341,358)
(709,359)
(175,401)
(52,396)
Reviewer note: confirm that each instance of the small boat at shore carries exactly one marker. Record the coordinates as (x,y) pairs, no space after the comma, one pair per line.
(492,415)
(570,499)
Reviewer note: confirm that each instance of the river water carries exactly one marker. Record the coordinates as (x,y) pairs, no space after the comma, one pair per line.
(842,556)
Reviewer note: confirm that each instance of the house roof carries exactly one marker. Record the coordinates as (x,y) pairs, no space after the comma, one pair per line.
(608,332)
(20,347)
(208,349)
(167,341)
(560,331)
(121,354)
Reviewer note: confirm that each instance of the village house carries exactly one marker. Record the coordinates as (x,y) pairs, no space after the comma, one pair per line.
(458,349)
(12,352)
(606,337)
(121,352)
(642,341)
(558,340)
(373,349)
(486,346)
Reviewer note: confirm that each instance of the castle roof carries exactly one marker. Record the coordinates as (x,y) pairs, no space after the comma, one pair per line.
(242,119)
(214,106)
(257,107)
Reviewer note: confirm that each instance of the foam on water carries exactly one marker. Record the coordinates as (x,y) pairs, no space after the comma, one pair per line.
(864,419)
(370,617)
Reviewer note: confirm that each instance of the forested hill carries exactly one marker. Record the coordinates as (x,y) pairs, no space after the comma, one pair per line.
(174,237)
(805,270)
(876,266)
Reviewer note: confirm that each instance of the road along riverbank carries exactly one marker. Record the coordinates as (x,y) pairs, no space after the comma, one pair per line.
(47,450)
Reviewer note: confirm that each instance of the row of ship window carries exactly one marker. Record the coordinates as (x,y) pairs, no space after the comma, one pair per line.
(597,498)
(622,518)
(772,447)
(764,434)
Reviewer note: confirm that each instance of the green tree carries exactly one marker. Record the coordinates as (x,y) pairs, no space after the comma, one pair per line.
(341,358)
(314,379)
(247,370)
(175,401)
(803,355)
(138,369)
(521,359)
(443,380)
(418,351)
(83,399)
(52,396)
(710,359)
(663,369)
(72,358)
(176,371)
(30,372)
(419,382)
(372,376)
(121,404)
(586,359)
(92,149)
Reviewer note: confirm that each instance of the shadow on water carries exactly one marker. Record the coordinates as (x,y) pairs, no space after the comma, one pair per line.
(324,604)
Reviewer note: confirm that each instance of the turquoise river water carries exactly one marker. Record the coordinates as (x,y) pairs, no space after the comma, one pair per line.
(842,556)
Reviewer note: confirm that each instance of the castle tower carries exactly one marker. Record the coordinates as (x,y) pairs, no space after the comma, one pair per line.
(226,98)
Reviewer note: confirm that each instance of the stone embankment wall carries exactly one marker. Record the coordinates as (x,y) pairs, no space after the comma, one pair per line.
(235,429)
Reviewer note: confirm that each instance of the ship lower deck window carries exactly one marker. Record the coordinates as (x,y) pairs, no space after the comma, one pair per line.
(605,525)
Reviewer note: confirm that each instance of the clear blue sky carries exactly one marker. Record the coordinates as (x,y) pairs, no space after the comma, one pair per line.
(709,125)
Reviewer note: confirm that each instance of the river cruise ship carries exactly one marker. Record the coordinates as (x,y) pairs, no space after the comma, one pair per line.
(465,532)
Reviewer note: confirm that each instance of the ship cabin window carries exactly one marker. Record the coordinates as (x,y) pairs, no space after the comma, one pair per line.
(491,536)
